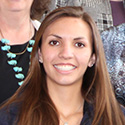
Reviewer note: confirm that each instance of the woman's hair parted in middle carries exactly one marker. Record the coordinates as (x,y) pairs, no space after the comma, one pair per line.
(37,106)
(77,12)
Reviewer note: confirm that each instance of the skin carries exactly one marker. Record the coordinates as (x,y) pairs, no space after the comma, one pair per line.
(66,52)
(15,20)
(15,5)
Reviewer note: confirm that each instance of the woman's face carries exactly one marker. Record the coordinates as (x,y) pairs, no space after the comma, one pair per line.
(66,51)
(15,5)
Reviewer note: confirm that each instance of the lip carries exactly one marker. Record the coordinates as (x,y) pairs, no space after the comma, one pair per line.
(65,67)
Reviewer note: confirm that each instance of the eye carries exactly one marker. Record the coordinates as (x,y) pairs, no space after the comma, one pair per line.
(79,45)
(54,43)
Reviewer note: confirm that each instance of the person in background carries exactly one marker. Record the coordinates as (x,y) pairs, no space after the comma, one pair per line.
(106,13)
(18,25)
(113,41)
(114,46)
(68,82)
(118,11)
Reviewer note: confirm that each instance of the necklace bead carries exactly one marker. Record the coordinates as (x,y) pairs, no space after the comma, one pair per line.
(5,41)
(10,55)
(66,123)
(12,62)
(18,69)
(5,48)
(19,76)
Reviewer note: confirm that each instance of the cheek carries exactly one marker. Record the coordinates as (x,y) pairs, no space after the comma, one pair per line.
(48,55)
(83,58)
(31,2)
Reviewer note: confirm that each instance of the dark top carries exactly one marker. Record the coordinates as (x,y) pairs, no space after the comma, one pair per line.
(9,83)
(8,117)
(118,12)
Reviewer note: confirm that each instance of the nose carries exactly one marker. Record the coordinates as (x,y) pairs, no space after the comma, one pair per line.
(66,52)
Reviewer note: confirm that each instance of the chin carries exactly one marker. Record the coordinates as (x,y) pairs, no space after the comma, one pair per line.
(66,83)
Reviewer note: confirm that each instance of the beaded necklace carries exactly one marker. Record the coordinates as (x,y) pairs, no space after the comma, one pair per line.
(11,57)
(13,62)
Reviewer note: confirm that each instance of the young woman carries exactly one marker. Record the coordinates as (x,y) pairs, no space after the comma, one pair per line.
(68,82)
(17,30)
(107,14)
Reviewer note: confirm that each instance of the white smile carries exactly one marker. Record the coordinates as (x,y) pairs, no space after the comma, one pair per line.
(64,67)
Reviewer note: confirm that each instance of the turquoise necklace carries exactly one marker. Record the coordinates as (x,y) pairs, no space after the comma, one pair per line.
(12,57)
(13,62)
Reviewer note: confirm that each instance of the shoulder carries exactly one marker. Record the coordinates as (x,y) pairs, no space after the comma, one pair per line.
(8,115)
(114,33)
(36,24)
(113,39)
(88,113)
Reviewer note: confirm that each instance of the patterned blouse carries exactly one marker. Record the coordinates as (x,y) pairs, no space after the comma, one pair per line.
(114,46)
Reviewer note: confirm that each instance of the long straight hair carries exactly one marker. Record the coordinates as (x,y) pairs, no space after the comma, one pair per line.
(37,108)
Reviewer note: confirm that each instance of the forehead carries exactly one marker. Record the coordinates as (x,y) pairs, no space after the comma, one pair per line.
(69,25)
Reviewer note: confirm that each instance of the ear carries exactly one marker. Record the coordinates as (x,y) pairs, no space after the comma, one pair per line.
(40,56)
(92,60)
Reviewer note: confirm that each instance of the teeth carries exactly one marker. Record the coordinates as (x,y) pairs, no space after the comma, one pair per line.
(64,67)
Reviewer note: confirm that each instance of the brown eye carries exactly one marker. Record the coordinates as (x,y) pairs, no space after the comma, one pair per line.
(79,45)
(54,43)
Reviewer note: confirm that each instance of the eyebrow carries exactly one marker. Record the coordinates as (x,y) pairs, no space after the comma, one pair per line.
(56,36)
(78,38)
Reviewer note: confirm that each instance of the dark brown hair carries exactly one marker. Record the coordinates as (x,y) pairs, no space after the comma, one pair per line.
(37,108)
(38,8)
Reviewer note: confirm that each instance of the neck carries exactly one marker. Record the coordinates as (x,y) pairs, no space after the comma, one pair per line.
(14,18)
(15,24)
(69,103)
(66,98)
